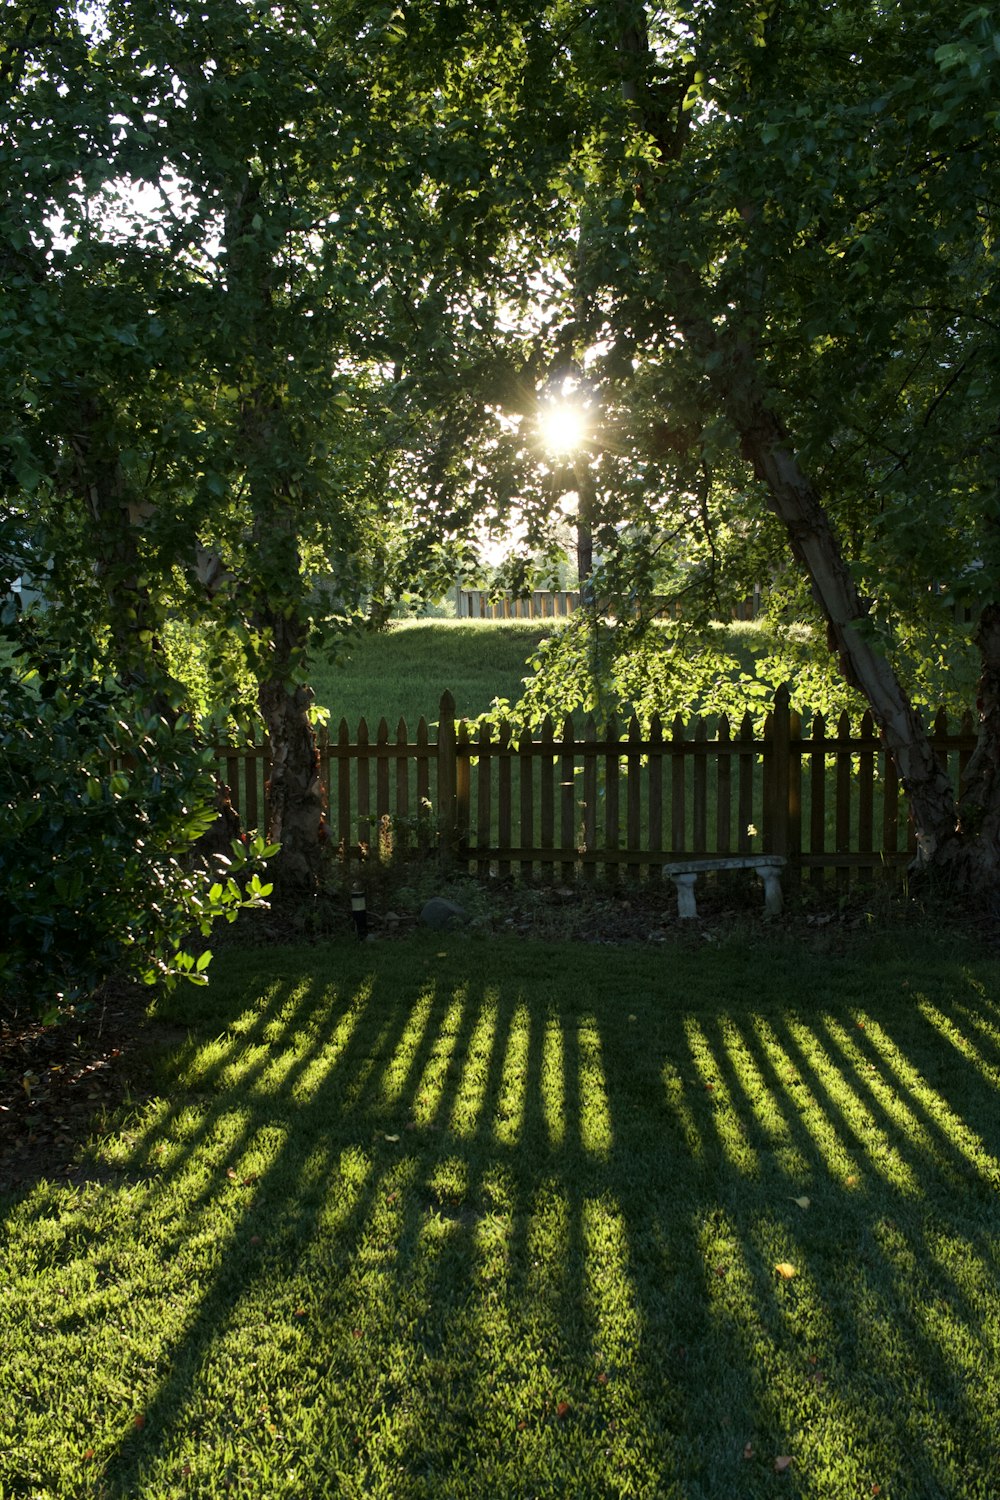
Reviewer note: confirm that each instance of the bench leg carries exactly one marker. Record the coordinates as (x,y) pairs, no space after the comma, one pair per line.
(686,904)
(772,891)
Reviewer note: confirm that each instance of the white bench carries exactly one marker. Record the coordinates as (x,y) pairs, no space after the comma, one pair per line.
(685,872)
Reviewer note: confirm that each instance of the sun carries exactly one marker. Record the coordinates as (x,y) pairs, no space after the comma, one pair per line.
(562,427)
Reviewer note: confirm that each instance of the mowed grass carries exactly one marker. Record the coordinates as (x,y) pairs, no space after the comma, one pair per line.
(449,1218)
(403,671)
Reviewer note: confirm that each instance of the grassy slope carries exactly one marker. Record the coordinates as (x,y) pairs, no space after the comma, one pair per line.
(457,1218)
(405,670)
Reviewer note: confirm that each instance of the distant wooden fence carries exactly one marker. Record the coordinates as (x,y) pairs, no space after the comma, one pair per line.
(541,604)
(566,804)
(545,604)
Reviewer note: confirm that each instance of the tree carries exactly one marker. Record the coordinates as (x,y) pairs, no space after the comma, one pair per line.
(762,233)
(204,327)
(783,264)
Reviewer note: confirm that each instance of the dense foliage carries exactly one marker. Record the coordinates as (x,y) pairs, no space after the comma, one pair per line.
(100,808)
(288,290)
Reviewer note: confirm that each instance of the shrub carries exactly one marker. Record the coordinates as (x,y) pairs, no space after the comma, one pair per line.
(100,806)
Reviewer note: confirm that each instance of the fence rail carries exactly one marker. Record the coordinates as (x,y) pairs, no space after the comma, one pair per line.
(571,803)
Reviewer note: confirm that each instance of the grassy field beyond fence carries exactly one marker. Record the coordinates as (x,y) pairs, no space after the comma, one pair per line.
(449,1218)
(402,672)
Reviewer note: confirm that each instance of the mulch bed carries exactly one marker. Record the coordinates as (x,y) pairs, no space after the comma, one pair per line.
(55,1080)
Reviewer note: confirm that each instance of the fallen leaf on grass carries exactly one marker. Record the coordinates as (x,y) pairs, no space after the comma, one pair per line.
(783,1463)
(390,1137)
(785,1270)
(748,1451)
(139,1420)
(562,1410)
(602,1378)
(88,1454)
(802,1202)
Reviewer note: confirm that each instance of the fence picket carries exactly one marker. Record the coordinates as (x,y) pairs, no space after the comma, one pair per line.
(655,800)
(612,814)
(383,825)
(843,799)
(526,790)
(633,794)
(547,776)
(344,833)
(505,811)
(364,795)
(589,839)
(866,793)
(567,796)
(745,772)
(723,789)
(817,797)
(678,805)
(484,785)
(463,791)
(401,832)
(423,777)
(699,774)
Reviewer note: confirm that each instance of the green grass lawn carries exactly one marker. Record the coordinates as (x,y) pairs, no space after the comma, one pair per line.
(403,671)
(453,1218)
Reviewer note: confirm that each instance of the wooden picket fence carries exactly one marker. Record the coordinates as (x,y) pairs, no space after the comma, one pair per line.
(567,804)
(558,604)
(541,604)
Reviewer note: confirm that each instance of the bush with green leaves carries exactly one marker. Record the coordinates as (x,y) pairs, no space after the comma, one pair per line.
(101,805)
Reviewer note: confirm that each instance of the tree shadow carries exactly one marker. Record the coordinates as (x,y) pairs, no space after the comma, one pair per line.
(503,1236)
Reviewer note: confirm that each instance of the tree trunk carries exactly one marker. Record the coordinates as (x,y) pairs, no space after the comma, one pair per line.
(294,792)
(814,544)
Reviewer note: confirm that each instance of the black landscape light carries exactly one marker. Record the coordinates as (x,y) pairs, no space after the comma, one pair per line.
(359,912)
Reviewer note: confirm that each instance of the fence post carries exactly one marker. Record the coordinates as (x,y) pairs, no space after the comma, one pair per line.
(447,780)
